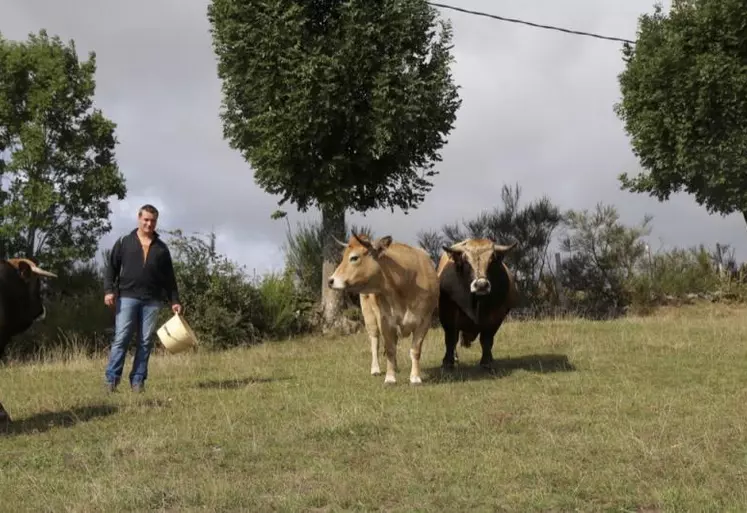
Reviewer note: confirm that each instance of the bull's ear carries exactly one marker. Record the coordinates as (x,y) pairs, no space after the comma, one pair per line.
(24,269)
(383,243)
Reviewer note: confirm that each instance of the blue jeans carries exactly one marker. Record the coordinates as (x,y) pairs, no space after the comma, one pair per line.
(130,314)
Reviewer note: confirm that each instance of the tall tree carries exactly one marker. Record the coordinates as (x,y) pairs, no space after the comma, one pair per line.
(684,103)
(337,104)
(57,159)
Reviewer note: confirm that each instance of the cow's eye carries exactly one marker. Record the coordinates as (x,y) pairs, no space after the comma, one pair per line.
(354,258)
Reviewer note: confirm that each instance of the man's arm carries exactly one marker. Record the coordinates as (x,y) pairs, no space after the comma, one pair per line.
(172,290)
(111,273)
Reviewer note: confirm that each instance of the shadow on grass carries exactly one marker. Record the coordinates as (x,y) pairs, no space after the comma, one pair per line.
(232,384)
(502,367)
(42,422)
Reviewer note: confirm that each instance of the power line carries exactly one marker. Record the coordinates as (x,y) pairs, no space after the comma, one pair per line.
(531,24)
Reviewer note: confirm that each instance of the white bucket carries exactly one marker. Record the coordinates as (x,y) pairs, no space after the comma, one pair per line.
(176,335)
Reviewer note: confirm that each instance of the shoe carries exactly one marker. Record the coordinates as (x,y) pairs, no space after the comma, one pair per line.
(111,387)
(138,388)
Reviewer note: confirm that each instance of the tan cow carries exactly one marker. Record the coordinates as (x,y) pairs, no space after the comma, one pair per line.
(398,288)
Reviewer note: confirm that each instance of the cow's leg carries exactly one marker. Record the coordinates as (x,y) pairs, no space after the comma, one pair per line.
(372,328)
(390,347)
(416,350)
(4,416)
(486,341)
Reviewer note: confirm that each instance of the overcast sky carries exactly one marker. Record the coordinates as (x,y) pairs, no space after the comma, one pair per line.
(537,108)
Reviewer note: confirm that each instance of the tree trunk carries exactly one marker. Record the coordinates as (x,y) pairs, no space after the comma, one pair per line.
(744,214)
(333,224)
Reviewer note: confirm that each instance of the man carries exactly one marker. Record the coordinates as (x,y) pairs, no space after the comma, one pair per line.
(139,276)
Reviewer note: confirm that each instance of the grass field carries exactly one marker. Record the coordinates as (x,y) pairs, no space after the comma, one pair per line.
(633,415)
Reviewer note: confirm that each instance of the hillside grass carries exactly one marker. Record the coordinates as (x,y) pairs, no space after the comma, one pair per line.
(639,414)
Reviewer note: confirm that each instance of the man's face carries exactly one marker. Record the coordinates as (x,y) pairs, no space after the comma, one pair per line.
(147,222)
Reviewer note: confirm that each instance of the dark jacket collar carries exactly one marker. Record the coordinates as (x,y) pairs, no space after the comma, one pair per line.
(155,234)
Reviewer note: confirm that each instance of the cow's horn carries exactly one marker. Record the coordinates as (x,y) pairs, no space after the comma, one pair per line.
(344,245)
(364,243)
(503,249)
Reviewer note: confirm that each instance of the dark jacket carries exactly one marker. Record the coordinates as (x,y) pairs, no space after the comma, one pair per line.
(127,274)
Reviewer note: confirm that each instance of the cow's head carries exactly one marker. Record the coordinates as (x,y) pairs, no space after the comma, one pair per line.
(360,271)
(473,259)
(31,275)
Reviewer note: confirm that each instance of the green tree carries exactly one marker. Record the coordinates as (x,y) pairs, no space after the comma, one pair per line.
(603,257)
(684,103)
(338,104)
(57,159)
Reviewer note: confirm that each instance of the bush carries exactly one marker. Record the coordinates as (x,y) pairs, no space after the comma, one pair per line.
(222,304)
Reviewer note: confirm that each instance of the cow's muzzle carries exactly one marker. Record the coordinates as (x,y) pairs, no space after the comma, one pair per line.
(480,287)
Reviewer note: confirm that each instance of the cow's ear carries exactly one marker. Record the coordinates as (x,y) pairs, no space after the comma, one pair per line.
(383,243)
(24,269)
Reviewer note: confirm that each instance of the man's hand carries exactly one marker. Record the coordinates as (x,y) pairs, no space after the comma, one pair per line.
(176,308)
(109,300)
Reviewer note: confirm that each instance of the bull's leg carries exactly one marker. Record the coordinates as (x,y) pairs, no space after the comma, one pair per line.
(4,340)
(486,341)
(416,350)
(4,416)
(451,337)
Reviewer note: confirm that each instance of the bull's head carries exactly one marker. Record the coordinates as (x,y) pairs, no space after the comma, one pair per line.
(360,271)
(31,275)
(474,258)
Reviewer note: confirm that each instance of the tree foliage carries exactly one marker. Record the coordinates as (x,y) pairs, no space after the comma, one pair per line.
(604,255)
(337,103)
(57,160)
(684,103)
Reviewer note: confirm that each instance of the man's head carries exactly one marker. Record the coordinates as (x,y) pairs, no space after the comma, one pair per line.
(359,272)
(147,219)
(473,258)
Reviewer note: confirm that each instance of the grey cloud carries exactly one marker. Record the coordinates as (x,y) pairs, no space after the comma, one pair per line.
(537,109)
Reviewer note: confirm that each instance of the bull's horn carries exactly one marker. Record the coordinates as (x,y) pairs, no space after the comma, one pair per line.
(343,244)
(42,272)
(15,262)
(504,249)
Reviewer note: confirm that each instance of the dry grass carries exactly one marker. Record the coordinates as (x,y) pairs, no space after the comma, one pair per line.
(632,415)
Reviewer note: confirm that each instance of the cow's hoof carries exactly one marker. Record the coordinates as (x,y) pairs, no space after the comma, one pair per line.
(375,372)
(448,365)
(390,380)
(415,380)
(487,365)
